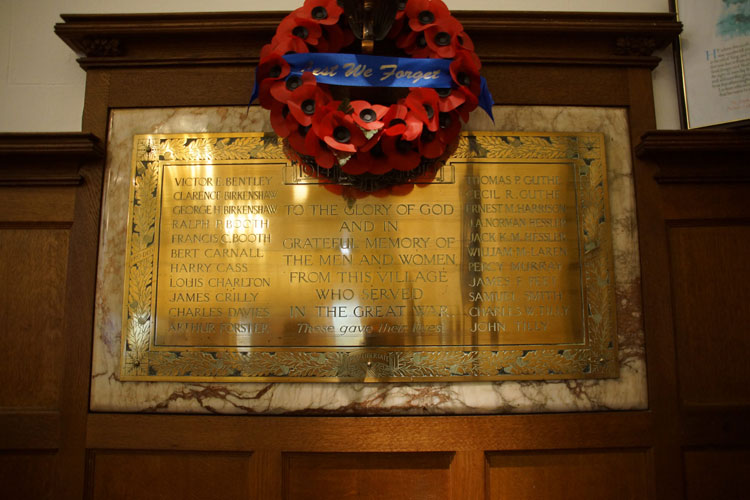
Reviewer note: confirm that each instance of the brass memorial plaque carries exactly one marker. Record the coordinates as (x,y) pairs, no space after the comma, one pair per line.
(240,267)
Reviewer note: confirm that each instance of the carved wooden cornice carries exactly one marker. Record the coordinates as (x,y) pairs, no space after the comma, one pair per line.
(128,40)
(46,159)
(697,156)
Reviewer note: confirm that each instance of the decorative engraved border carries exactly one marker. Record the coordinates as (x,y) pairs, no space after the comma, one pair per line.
(595,358)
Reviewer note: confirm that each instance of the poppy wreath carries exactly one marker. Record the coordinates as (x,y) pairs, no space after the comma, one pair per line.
(354,141)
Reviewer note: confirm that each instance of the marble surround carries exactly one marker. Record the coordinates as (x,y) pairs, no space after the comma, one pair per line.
(108,393)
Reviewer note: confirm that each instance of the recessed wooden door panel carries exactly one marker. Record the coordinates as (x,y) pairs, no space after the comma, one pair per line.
(165,475)
(712,474)
(367,476)
(711,300)
(574,475)
(33,265)
(27,475)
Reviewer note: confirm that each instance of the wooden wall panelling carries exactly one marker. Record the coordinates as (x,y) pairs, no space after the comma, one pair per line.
(529,59)
(367,476)
(717,473)
(42,187)
(700,181)
(568,475)
(654,260)
(155,475)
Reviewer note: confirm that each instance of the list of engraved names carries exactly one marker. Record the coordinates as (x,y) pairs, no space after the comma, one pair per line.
(246,260)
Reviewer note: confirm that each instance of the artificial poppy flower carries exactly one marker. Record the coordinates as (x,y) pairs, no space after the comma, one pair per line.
(294,34)
(374,160)
(430,145)
(317,149)
(414,43)
(355,166)
(425,13)
(449,128)
(334,39)
(305,101)
(442,38)
(400,21)
(466,74)
(283,90)
(297,138)
(282,121)
(424,104)
(321,11)
(400,122)
(338,130)
(402,154)
(368,115)
(272,68)
(464,41)
(450,99)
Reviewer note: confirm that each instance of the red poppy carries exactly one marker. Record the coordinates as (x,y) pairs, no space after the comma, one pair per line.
(316,148)
(400,122)
(338,129)
(425,13)
(296,138)
(402,154)
(305,101)
(465,73)
(355,166)
(465,41)
(443,37)
(282,121)
(271,69)
(368,115)
(294,34)
(450,126)
(423,103)
(321,11)
(414,43)
(334,39)
(283,90)
(374,161)
(430,145)
(450,99)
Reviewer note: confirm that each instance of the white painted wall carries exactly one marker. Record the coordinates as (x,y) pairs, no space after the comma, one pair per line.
(42,87)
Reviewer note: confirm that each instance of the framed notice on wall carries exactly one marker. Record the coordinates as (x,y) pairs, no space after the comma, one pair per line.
(715,57)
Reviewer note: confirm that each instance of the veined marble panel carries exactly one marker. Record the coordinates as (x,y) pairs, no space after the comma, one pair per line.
(108,393)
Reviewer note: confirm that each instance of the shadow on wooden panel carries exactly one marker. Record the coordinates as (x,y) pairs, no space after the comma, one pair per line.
(26,475)
(341,476)
(166,475)
(711,301)
(32,291)
(723,474)
(574,475)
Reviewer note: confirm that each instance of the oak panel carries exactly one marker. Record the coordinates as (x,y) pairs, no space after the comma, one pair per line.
(574,475)
(25,476)
(367,476)
(711,300)
(37,205)
(33,264)
(714,474)
(165,475)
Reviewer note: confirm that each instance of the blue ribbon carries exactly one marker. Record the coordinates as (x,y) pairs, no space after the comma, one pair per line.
(358,70)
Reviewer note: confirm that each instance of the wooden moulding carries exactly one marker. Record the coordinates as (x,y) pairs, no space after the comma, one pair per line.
(46,159)
(606,39)
(696,156)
